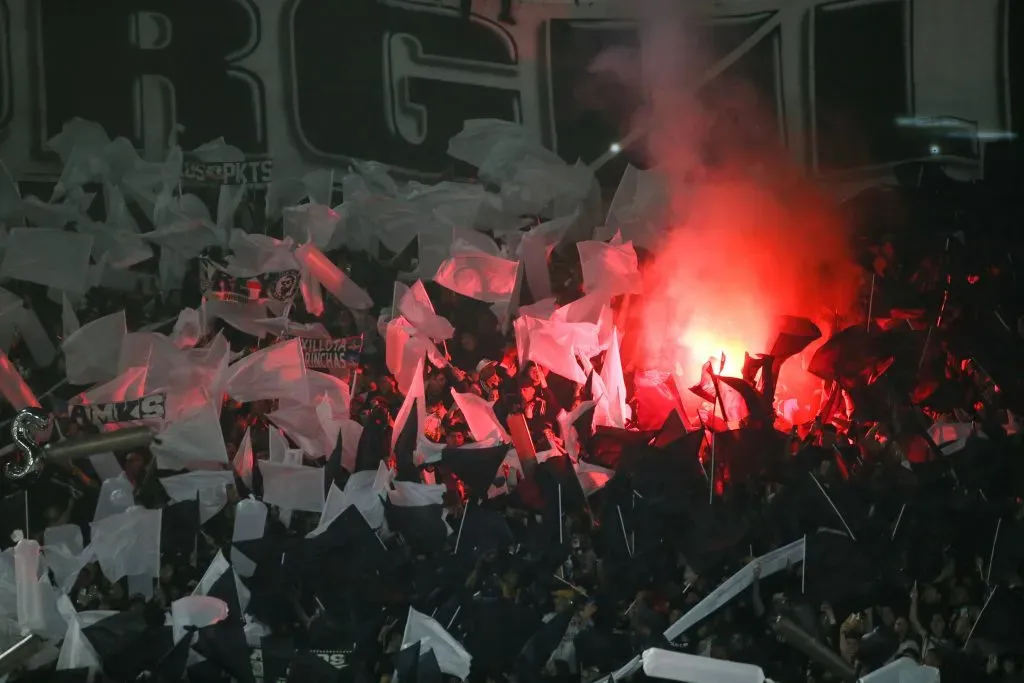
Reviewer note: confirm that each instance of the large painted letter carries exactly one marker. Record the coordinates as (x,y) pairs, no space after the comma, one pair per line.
(393,82)
(140,66)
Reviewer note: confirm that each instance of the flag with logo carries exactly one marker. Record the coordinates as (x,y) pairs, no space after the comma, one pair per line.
(217,283)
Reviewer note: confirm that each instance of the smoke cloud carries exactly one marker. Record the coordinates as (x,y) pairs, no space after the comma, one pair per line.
(747,237)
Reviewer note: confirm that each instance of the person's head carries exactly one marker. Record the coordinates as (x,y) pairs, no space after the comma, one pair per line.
(166,573)
(133,465)
(436,382)
(137,605)
(887,615)
(959,596)
(528,392)
(824,467)
(511,578)
(962,627)
(901,626)
(535,373)
(385,385)
(931,594)
(937,625)
(489,376)
(456,438)
(1009,666)
(468,341)
(53,514)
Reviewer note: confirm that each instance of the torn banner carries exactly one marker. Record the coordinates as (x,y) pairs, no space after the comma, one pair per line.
(217,283)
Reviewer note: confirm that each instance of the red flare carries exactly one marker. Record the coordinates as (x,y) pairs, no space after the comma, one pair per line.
(745,256)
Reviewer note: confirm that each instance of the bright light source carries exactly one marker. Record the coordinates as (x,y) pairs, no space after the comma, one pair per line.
(934,149)
(615,148)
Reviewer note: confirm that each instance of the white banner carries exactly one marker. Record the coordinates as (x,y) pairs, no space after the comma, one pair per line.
(771,563)
(677,666)
(903,670)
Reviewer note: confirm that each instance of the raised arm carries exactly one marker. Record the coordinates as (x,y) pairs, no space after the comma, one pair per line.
(755,593)
(915,622)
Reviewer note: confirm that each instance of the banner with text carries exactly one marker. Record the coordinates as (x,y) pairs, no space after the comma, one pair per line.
(152,407)
(332,354)
(271,661)
(844,84)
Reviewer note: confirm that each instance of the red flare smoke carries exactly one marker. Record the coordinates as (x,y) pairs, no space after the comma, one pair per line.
(745,255)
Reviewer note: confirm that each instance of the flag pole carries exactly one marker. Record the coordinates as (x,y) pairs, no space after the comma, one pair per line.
(625,535)
(871,301)
(632,532)
(834,508)
(711,490)
(454,617)
(710,442)
(980,614)
(560,540)
(803,569)
(992,554)
(718,395)
(942,312)
(571,585)
(900,519)
(462,522)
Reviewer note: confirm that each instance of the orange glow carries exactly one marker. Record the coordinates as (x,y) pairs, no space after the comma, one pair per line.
(721,279)
(13,387)
(746,237)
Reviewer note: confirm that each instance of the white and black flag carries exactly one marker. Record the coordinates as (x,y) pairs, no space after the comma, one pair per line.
(152,407)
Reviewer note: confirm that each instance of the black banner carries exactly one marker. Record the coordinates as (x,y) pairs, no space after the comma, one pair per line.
(253,172)
(270,663)
(152,407)
(332,354)
(217,283)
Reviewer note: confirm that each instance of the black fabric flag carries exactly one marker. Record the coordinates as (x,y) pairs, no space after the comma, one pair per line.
(422,526)
(475,467)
